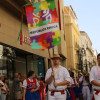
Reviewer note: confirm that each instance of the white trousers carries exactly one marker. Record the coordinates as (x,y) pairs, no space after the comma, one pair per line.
(3,96)
(86,93)
(97,97)
(57,96)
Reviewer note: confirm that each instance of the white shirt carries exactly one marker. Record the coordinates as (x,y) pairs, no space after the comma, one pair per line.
(84,81)
(3,87)
(31,80)
(75,81)
(61,74)
(95,75)
(72,81)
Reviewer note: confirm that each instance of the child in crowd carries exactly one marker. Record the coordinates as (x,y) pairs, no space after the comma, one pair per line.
(5,83)
(6,86)
(42,89)
(21,83)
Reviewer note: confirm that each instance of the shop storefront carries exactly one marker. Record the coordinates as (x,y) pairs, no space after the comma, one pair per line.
(15,60)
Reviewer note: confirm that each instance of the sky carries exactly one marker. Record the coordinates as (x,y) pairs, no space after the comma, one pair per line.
(88,13)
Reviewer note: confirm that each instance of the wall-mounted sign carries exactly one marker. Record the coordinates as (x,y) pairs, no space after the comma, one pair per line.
(26,39)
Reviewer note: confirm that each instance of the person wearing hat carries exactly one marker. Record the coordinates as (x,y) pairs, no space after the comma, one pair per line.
(3,88)
(84,80)
(57,80)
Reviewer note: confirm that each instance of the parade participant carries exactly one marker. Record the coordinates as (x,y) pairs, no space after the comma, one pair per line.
(85,86)
(57,88)
(75,85)
(31,87)
(79,86)
(70,89)
(79,76)
(95,79)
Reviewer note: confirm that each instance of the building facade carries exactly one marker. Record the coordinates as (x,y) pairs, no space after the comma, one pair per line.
(88,59)
(21,58)
(72,38)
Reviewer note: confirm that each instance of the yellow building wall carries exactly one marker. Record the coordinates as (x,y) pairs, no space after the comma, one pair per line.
(72,37)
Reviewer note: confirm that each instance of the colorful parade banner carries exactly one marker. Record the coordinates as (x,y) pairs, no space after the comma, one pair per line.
(43,24)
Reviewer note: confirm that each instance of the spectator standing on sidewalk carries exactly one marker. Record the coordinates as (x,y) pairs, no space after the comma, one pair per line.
(17,88)
(6,86)
(3,88)
(42,89)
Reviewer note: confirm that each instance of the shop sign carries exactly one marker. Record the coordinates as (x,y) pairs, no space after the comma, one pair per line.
(26,39)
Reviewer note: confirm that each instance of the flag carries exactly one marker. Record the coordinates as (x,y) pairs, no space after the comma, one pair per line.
(43,24)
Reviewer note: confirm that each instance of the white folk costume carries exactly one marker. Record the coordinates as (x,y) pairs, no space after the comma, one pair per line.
(95,75)
(61,74)
(85,88)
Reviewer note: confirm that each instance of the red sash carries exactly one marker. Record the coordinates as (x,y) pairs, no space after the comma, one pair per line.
(78,80)
(31,85)
(97,92)
(72,94)
(74,80)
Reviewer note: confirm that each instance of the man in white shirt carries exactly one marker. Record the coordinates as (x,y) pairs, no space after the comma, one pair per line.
(62,78)
(85,84)
(95,79)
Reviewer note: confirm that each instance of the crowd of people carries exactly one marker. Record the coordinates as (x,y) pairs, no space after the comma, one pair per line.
(23,88)
(59,84)
(23,85)
(79,88)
